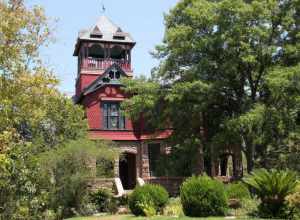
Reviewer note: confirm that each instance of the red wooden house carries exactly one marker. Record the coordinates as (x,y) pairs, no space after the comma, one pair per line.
(104,57)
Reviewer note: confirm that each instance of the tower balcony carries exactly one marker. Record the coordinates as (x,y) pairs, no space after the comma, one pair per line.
(92,64)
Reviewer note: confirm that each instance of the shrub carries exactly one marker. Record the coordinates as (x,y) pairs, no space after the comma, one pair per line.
(49,215)
(293,201)
(203,196)
(123,200)
(113,206)
(272,187)
(101,199)
(237,193)
(87,209)
(173,208)
(146,198)
(248,207)
(148,208)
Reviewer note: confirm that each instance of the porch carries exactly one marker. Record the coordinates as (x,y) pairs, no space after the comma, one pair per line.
(90,64)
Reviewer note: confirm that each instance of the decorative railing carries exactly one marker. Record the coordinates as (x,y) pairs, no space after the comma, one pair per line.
(102,64)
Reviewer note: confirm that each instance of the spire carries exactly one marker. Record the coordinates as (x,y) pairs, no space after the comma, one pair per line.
(103,9)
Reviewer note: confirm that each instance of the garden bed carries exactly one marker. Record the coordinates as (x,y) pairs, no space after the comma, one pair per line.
(127,217)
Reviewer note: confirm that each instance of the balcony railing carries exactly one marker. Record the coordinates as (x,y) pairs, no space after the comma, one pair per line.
(102,64)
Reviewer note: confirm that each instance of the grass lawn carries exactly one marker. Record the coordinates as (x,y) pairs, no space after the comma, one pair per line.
(127,217)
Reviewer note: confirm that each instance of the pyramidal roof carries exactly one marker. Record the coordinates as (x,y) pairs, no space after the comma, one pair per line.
(107,30)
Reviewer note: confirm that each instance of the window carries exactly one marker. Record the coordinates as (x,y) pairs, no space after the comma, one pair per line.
(114,74)
(154,155)
(118,37)
(96,36)
(113,119)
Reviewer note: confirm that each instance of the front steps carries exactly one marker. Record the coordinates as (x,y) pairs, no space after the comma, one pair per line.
(120,189)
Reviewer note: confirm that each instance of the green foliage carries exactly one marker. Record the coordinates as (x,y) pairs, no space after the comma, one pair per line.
(173,208)
(20,191)
(231,68)
(202,196)
(105,168)
(113,206)
(101,198)
(68,169)
(148,208)
(237,191)
(272,187)
(248,207)
(41,171)
(24,31)
(293,201)
(179,162)
(147,198)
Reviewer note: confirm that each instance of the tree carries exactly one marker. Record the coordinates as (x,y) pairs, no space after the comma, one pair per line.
(34,116)
(218,59)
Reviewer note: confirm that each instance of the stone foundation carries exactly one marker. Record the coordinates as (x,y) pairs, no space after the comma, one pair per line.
(100,183)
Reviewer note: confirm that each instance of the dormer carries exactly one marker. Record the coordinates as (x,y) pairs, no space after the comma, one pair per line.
(103,45)
(96,33)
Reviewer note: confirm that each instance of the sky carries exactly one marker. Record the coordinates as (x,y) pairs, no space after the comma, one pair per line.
(143,19)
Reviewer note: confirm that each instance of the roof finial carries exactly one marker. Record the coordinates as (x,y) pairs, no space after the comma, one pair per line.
(103,7)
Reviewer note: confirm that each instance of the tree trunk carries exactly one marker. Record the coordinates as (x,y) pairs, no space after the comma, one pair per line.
(199,166)
(249,154)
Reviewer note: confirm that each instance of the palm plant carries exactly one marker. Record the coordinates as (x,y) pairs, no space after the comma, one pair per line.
(272,187)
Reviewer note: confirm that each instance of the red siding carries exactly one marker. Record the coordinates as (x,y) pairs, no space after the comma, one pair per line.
(92,105)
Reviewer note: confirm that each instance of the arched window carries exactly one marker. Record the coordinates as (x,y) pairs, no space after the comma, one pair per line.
(117,53)
(96,51)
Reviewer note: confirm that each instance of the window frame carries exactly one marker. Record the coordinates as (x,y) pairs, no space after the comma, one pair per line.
(107,116)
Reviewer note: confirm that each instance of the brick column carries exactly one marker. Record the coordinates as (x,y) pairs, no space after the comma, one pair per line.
(237,164)
(116,167)
(145,172)
(139,161)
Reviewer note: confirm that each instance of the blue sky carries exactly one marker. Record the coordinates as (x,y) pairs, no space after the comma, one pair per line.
(142,18)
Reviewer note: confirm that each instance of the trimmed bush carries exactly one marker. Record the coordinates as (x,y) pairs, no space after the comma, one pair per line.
(237,191)
(145,199)
(202,197)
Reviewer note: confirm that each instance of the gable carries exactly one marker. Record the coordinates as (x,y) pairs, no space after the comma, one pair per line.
(111,76)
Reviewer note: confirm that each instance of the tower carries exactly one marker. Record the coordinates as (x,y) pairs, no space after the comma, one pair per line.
(99,48)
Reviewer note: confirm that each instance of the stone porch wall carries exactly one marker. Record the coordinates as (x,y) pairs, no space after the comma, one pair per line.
(172,184)
(100,183)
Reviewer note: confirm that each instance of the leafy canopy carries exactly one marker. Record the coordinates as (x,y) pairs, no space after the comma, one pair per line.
(227,77)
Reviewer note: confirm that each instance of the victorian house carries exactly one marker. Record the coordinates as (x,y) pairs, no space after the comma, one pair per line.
(104,57)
